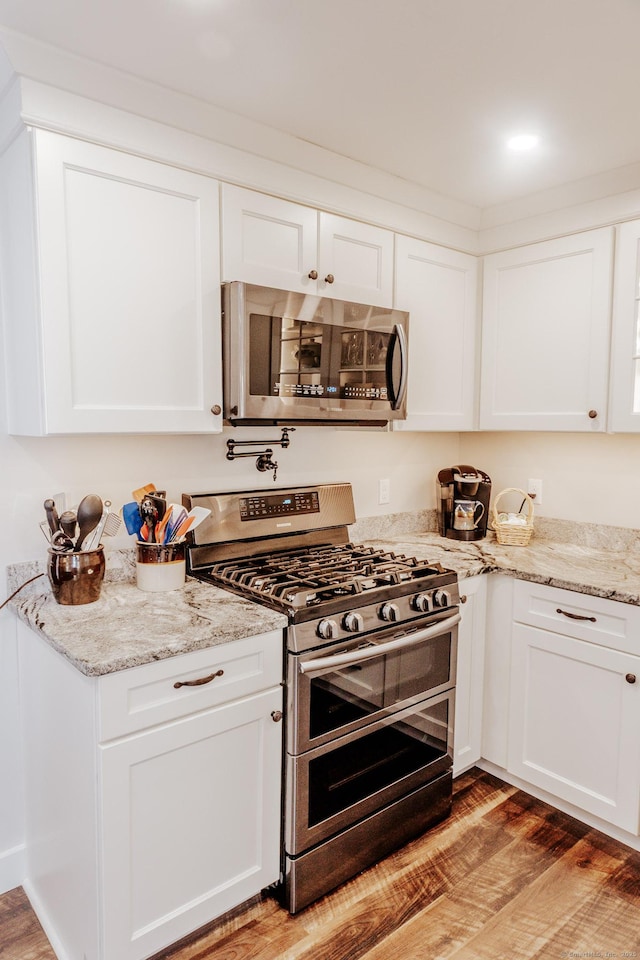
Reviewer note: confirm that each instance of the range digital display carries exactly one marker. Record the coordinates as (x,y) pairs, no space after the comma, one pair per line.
(279,505)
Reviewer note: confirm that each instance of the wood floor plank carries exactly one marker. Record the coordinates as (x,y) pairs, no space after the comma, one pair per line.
(506,877)
(21,936)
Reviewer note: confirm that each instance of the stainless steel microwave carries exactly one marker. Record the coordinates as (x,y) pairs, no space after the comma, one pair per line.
(299,358)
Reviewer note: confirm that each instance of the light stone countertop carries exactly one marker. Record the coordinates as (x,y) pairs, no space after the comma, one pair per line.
(610,573)
(127,627)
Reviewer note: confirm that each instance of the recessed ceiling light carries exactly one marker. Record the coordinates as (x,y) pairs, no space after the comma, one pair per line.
(523,141)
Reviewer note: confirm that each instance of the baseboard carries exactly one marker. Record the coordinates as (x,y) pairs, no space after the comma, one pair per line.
(592,821)
(47,926)
(13,867)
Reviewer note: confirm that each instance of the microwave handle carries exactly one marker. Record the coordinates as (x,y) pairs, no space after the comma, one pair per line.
(379,650)
(399,342)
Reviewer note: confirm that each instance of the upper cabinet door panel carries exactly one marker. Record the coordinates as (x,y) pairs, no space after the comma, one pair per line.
(129,292)
(268,241)
(439,288)
(625,361)
(546,324)
(356,261)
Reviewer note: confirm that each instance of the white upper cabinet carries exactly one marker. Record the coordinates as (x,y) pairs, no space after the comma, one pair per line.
(545,342)
(625,358)
(111,291)
(276,243)
(439,288)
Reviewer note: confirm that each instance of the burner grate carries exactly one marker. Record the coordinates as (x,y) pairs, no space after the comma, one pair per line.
(309,576)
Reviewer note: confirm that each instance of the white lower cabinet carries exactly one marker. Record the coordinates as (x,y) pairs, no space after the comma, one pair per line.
(467,741)
(151,808)
(190,824)
(574,717)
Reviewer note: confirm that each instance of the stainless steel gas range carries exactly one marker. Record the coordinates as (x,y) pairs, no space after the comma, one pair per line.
(370,674)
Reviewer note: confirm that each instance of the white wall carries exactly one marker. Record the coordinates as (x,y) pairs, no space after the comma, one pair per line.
(34,469)
(586,477)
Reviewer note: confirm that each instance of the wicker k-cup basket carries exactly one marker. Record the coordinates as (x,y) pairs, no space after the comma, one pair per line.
(513,534)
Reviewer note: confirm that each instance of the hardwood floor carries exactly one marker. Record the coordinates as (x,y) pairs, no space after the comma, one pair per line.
(506,877)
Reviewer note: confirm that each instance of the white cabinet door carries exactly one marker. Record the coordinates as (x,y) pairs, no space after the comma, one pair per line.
(545,340)
(276,243)
(191,823)
(268,241)
(625,349)
(467,739)
(123,334)
(574,726)
(355,261)
(439,288)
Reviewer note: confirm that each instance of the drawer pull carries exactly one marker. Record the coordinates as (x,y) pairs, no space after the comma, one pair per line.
(630,678)
(575,616)
(276,716)
(199,681)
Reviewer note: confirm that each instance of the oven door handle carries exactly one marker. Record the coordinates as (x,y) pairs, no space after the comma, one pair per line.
(379,650)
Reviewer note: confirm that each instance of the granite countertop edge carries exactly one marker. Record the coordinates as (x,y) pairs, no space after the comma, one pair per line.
(127,628)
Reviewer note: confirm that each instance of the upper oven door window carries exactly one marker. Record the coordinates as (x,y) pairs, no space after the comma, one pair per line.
(343,687)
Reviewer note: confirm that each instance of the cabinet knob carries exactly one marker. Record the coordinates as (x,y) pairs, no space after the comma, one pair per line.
(216,410)
(593,414)
(630,678)
(276,716)
(329,278)
(313,275)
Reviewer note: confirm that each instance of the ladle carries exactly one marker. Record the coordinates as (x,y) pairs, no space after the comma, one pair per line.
(89,514)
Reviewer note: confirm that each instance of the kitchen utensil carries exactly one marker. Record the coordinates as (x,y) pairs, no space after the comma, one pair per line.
(160,503)
(139,494)
(178,514)
(92,542)
(132,518)
(161,529)
(60,542)
(52,515)
(108,527)
(149,514)
(89,514)
(69,522)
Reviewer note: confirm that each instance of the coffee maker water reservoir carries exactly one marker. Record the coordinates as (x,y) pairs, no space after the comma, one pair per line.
(462,498)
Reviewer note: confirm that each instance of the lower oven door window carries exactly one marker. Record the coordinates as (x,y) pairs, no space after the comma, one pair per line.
(333,786)
(331,698)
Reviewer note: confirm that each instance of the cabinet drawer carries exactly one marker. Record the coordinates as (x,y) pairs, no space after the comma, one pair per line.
(144,696)
(595,619)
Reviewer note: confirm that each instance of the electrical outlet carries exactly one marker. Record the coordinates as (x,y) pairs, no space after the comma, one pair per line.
(534,489)
(384,491)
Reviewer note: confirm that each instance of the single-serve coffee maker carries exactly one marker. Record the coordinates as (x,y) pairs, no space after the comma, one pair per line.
(462,498)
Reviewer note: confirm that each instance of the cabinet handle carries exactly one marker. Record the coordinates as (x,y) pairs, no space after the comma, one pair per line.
(575,616)
(216,410)
(630,678)
(276,716)
(593,414)
(463,598)
(329,278)
(313,274)
(199,681)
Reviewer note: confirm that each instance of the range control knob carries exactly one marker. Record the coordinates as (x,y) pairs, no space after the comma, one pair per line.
(390,612)
(422,602)
(442,598)
(353,622)
(328,629)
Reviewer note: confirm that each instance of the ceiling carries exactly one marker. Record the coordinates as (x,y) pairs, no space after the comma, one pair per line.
(427,90)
